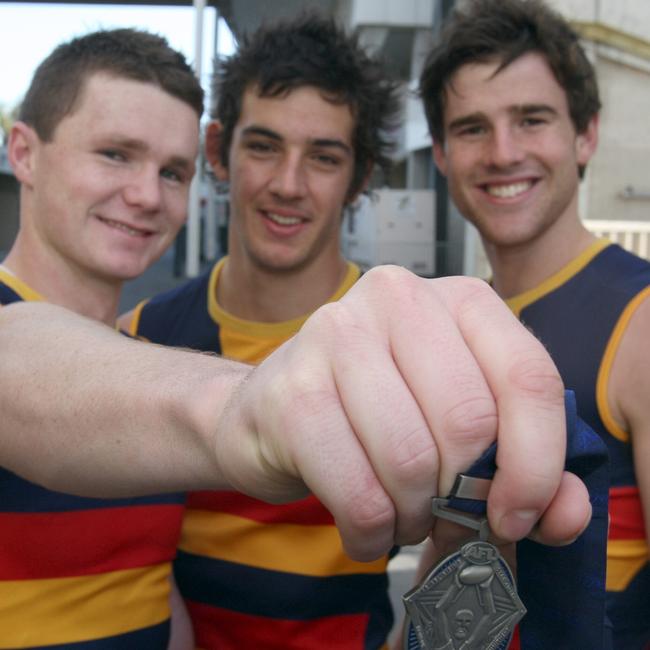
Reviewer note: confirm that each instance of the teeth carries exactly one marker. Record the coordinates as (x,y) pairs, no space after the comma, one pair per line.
(508,191)
(122,227)
(281,220)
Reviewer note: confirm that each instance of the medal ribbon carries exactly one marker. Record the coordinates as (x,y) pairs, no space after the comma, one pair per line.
(563,588)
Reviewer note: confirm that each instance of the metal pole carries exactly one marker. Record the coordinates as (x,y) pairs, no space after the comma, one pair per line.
(192,260)
(210,248)
(442,253)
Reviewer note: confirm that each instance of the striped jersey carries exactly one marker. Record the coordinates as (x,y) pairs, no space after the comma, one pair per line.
(79,573)
(256,575)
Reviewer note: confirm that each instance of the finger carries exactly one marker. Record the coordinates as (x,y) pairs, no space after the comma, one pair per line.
(316,441)
(394,434)
(567,516)
(387,418)
(442,373)
(432,392)
(530,400)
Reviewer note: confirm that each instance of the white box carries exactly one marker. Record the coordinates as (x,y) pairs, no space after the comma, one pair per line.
(392,227)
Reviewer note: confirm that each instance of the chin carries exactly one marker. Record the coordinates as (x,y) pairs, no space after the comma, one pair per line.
(123,272)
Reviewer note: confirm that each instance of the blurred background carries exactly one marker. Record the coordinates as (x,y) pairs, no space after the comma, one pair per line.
(407,219)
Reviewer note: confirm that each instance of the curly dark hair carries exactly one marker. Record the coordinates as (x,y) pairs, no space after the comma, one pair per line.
(503,30)
(128,53)
(311,50)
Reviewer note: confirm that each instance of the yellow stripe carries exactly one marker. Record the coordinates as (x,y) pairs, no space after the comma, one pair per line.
(266,330)
(247,348)
(625,558)
(517,303)
(605,367)
(292,548)
(595,31)
(24,291)
(68,610)
(134,323)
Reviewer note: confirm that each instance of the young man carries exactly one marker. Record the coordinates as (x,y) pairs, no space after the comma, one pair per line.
(297,134)
(104,151)
(512,103)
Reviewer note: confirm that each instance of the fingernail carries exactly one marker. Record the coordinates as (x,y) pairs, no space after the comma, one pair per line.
(516,525)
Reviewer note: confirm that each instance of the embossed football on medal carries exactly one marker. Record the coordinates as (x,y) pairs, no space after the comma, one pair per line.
(469,600)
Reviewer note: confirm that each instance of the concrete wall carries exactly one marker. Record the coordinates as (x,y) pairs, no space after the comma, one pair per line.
(630,16)
(623,156)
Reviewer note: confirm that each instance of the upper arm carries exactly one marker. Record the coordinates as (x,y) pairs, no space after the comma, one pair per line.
(630,395)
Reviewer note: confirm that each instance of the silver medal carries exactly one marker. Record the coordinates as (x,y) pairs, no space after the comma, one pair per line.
(469,600)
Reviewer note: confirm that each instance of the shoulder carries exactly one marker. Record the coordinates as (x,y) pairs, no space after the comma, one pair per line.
(630,372)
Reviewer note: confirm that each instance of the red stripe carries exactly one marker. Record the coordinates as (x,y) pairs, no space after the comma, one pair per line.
(308,512)
(220,629)
(515,643)
(626,514)
(67,544)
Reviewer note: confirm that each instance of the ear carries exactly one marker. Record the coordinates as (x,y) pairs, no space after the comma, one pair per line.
(21,150)
(587,141)
(440,157)
(213,140)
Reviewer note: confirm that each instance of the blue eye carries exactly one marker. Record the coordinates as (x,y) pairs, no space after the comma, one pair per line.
(113,154)
(171,175)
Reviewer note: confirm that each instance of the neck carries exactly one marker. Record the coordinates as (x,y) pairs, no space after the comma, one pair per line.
(516,269)
(60,283)
(257,294)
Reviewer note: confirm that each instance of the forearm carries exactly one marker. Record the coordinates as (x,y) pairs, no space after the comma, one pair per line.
(92,412)
(350,409)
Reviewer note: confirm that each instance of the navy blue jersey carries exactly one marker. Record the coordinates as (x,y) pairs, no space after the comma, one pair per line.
(580,315)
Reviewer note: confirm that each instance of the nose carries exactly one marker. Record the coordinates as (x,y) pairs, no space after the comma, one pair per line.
(288,180)
(504,148)
(143,189)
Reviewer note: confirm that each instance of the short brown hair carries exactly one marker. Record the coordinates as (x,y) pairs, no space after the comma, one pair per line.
(312,50)
(503,30)
(128,53)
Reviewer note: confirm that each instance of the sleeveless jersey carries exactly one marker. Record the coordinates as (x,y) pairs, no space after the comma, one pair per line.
(580,314)
(256,575)
(79,573)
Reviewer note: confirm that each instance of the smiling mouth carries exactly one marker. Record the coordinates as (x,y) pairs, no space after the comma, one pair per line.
(508,191)
(282,220)
(124,228)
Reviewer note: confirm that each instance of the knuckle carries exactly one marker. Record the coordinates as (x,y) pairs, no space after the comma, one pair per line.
(413,456)
(536,376)
(392,284)
(369,514)
(472,420)
(388,275)
(473,299)
(329,322)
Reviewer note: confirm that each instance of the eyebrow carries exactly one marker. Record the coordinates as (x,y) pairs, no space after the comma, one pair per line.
(317,142)
(519,109)
(526,109)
